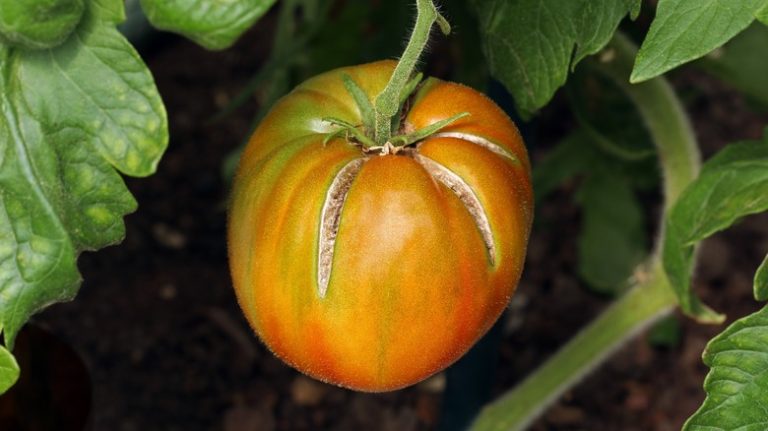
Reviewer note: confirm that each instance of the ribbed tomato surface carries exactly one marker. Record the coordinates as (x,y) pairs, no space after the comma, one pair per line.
(375,271)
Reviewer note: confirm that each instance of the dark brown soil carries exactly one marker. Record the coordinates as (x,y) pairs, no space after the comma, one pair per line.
(157,322)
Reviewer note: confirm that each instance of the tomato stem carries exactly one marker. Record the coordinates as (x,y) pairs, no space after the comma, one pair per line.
(387,104)
(651,295)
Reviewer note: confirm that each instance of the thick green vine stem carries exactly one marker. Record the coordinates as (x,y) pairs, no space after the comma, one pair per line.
(387,104)
(651,295)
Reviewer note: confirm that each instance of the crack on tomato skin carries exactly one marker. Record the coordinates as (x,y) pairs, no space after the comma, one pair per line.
(329,221)
(479,141)
(467,196)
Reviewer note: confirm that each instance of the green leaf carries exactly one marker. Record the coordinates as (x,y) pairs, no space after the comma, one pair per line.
(761,281)
(732,184)
(737,383)
(612,239)
(665,333)
(762,15)
(684,30)
(214,25)
(572,156)
(108,10)
(38,24)
(531,45)
(9,370)
(68,118)
(737,64)
(609,117)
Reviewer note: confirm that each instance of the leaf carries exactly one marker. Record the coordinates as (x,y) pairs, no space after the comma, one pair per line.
(762,15)
(737,64)
(610,118)
(108,10)
(612,239)
(530,45)
(761,281)
(214,25)
(68,118)
(732,184)
(569,158)
(32,24)
(737,383)
(9,370)
(665,333)
(684,30)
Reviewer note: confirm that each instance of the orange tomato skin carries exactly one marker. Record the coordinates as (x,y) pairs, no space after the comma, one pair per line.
(413,282)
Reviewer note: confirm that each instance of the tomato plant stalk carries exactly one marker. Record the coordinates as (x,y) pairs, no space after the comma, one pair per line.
(651,296)
(387,104)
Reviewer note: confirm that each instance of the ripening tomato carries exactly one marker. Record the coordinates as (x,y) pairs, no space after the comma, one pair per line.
(373,269)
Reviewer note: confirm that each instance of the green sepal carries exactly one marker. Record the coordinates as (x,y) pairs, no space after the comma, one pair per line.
(425,132)
(361,99)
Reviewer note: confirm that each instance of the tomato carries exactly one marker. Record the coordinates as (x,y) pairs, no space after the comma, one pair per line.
(376,269)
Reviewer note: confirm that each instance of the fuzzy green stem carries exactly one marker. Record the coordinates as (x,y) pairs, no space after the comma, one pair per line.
(387,103)
(651,296)
(639,307)
(663,115)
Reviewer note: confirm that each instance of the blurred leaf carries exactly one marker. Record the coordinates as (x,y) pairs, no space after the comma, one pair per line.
(762,15)
(665,333)
(571,157)
(273,77)
(732,184)
(214,25)
(530,45)
(684,30)
(70,118)
(612,238)
(612,241)
(761,281)
(737,383)
(737,63)
(613,152)
(108,10)
(372,31)
(34,24)
(467,61)
(608,116)
(331,51)
(9,370)
(298,23)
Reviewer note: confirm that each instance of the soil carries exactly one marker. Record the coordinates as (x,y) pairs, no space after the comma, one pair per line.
(158,326)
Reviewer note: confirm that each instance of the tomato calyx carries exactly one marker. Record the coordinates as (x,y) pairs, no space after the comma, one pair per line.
(351,133)
(397,144)
(361,134)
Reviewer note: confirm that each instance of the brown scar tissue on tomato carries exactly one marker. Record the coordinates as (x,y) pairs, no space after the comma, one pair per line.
(375,268)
